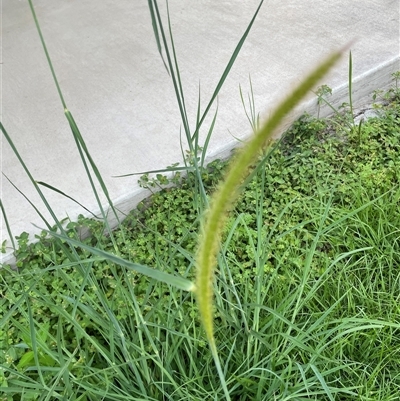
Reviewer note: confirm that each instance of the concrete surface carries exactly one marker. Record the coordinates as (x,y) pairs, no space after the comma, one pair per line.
(114,83)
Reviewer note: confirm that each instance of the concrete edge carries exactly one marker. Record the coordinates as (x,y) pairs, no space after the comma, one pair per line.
(363,86)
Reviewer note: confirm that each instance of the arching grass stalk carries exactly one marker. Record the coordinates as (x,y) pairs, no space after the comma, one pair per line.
(226,195)
(171,64)
(86,157)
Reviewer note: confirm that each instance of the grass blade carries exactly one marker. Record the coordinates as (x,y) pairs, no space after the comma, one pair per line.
(208,137)
(33,181)
(43,198)
(30,202)
(192,139)
(43,184)
(163,170)
(323,382)
(80,143)
(156,33)
(47,54)
(229,66)
(351,85)
(3,211)
(175,281)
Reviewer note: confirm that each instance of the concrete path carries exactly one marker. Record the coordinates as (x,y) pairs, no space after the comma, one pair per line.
(114,82)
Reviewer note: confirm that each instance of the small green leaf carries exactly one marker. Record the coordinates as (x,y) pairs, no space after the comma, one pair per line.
(26,360)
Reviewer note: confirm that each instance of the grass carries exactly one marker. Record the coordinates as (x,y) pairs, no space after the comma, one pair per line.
(305,291)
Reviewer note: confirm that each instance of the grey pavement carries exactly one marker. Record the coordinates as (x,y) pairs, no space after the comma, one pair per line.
(115,84)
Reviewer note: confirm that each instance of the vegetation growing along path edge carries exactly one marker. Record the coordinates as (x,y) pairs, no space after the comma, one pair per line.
(307,304)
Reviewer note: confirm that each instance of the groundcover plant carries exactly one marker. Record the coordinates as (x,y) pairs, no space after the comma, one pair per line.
(306,290)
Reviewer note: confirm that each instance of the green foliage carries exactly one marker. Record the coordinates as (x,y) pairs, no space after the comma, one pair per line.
(108,332)
(392,94)
(306,299)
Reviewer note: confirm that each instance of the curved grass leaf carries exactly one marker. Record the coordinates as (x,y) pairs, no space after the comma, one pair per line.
(43,184)
(3,211)
(167,278)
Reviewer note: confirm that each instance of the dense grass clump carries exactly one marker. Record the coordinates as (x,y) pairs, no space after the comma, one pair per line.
(307,288)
